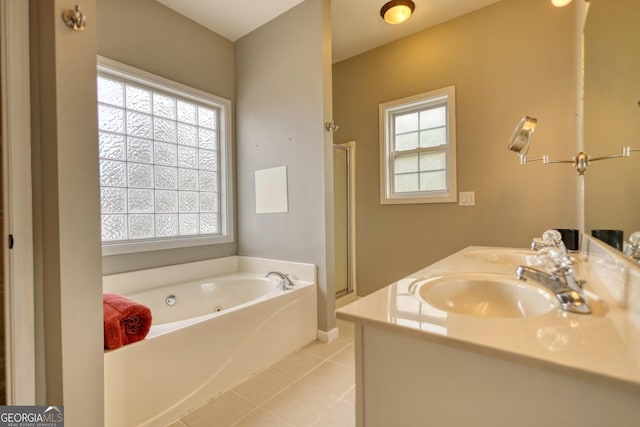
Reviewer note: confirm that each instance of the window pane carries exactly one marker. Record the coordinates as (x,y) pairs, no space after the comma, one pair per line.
(112,174)
(408,141)
(167,225)
(141,226)
(187,179)
(110,92)
(166,178)
(166,154)
(138,99)
(111,146)
(186,112)
(110,119)
(186,134)
(164,106)
(208,181)
(140,201)
(208,223)
(208,202)
(406,183)
(207,139)
(406,123)
(164,130)
(187,157)
(188,201)
(408,163)
(433,181)
(139,150)
(167,201)
(114,227)
(433,137)
(433,118)
(206,117)
(188,224)
(208,160)
(113,200)
(433,161)
(140,176)
(138,124)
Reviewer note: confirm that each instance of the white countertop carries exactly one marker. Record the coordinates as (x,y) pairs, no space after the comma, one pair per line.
(603,346)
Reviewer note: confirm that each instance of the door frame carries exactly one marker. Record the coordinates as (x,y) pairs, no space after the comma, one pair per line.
(17,203)
(351,213)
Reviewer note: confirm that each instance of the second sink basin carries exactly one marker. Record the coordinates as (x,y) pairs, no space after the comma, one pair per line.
(505,256)
(484,295)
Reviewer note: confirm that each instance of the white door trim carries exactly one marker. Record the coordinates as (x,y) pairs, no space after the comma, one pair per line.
(16,204)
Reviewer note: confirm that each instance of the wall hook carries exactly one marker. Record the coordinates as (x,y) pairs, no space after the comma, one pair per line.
(75,19)
(331,126)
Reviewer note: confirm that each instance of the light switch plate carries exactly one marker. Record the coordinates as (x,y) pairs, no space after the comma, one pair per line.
(467,198)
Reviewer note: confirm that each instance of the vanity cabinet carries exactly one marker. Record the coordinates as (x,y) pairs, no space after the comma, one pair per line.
(420,366)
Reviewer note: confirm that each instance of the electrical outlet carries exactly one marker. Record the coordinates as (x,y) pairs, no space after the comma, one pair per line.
(467,198)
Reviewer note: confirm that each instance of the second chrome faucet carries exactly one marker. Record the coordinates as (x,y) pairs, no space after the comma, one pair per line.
(561,278)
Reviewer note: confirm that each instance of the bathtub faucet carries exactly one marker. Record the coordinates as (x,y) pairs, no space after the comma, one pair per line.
(285,281)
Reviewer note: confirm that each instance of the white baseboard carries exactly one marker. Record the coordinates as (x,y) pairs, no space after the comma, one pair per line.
(329,336)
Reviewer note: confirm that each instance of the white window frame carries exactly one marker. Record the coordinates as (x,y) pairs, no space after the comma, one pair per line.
(387,112)
(116,69)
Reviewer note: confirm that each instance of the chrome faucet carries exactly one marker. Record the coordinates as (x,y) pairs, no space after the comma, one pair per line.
(285,282)
(561,281)
(550,239)
(632,248)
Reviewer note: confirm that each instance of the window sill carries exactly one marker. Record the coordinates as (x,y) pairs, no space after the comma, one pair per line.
(404,200)
(120,248)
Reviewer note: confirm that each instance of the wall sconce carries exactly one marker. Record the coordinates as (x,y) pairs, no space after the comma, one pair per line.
(75,19)
(397,11)
(521,141)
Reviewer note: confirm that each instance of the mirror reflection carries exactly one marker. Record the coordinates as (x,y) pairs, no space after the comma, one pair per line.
(612,118)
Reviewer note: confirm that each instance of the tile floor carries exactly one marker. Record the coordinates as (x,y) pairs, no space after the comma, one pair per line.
(313,387)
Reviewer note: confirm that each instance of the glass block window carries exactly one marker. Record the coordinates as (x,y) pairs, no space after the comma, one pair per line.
(417,141)
(162,168)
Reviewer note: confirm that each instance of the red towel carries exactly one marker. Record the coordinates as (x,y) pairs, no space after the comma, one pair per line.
(125,321)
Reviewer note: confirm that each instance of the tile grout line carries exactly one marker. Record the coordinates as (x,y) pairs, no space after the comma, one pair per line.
(323,361)
(299,379)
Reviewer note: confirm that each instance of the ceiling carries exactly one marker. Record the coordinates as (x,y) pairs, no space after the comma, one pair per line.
(356,24)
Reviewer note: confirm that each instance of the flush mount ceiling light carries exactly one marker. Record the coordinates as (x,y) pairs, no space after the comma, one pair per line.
(397,11)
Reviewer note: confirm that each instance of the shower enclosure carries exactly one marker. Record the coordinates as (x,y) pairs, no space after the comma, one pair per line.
(343,188)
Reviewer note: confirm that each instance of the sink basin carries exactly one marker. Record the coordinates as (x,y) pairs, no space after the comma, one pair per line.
(484,295)
(510,257)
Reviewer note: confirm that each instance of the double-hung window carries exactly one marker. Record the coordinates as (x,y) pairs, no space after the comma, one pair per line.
(165,166)
(418,149)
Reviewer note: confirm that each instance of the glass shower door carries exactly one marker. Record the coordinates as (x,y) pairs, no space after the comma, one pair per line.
(341,210)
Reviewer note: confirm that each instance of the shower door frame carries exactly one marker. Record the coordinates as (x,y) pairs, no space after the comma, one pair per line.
(351,293)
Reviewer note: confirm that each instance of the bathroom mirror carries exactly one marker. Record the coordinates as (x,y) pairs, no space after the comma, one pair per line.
(612,114)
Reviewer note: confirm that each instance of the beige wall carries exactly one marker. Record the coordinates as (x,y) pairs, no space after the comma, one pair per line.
(612,116)
(506,60)
(154,38)
(66,217)
(283,74)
